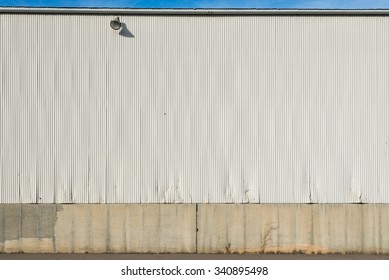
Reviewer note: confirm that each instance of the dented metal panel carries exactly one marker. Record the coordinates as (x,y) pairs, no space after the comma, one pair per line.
(185,109)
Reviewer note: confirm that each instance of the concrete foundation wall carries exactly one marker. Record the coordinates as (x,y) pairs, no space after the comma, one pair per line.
(194,228)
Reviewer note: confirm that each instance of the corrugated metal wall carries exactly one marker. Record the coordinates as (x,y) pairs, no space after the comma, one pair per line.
(181,109)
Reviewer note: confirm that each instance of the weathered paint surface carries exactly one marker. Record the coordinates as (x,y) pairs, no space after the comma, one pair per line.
(27,228)
(194,109)
(326,228)
(117,228)
(191,228)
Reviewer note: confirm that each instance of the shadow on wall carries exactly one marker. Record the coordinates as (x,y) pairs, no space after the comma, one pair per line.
(125,32)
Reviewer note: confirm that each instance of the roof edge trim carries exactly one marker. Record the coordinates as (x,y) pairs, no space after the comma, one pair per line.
(210,12)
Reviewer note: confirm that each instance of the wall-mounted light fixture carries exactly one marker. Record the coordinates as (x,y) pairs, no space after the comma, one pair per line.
(115,23)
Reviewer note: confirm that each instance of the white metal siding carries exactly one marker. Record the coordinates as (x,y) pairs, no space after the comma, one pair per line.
(258,109)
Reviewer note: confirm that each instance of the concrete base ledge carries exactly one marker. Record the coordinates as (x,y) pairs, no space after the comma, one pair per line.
(194,228)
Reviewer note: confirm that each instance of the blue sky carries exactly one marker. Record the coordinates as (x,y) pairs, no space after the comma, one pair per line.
(329,4)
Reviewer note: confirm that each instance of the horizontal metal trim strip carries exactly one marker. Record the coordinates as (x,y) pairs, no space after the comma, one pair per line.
(209,12)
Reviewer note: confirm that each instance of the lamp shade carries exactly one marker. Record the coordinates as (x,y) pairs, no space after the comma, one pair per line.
(115,23)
